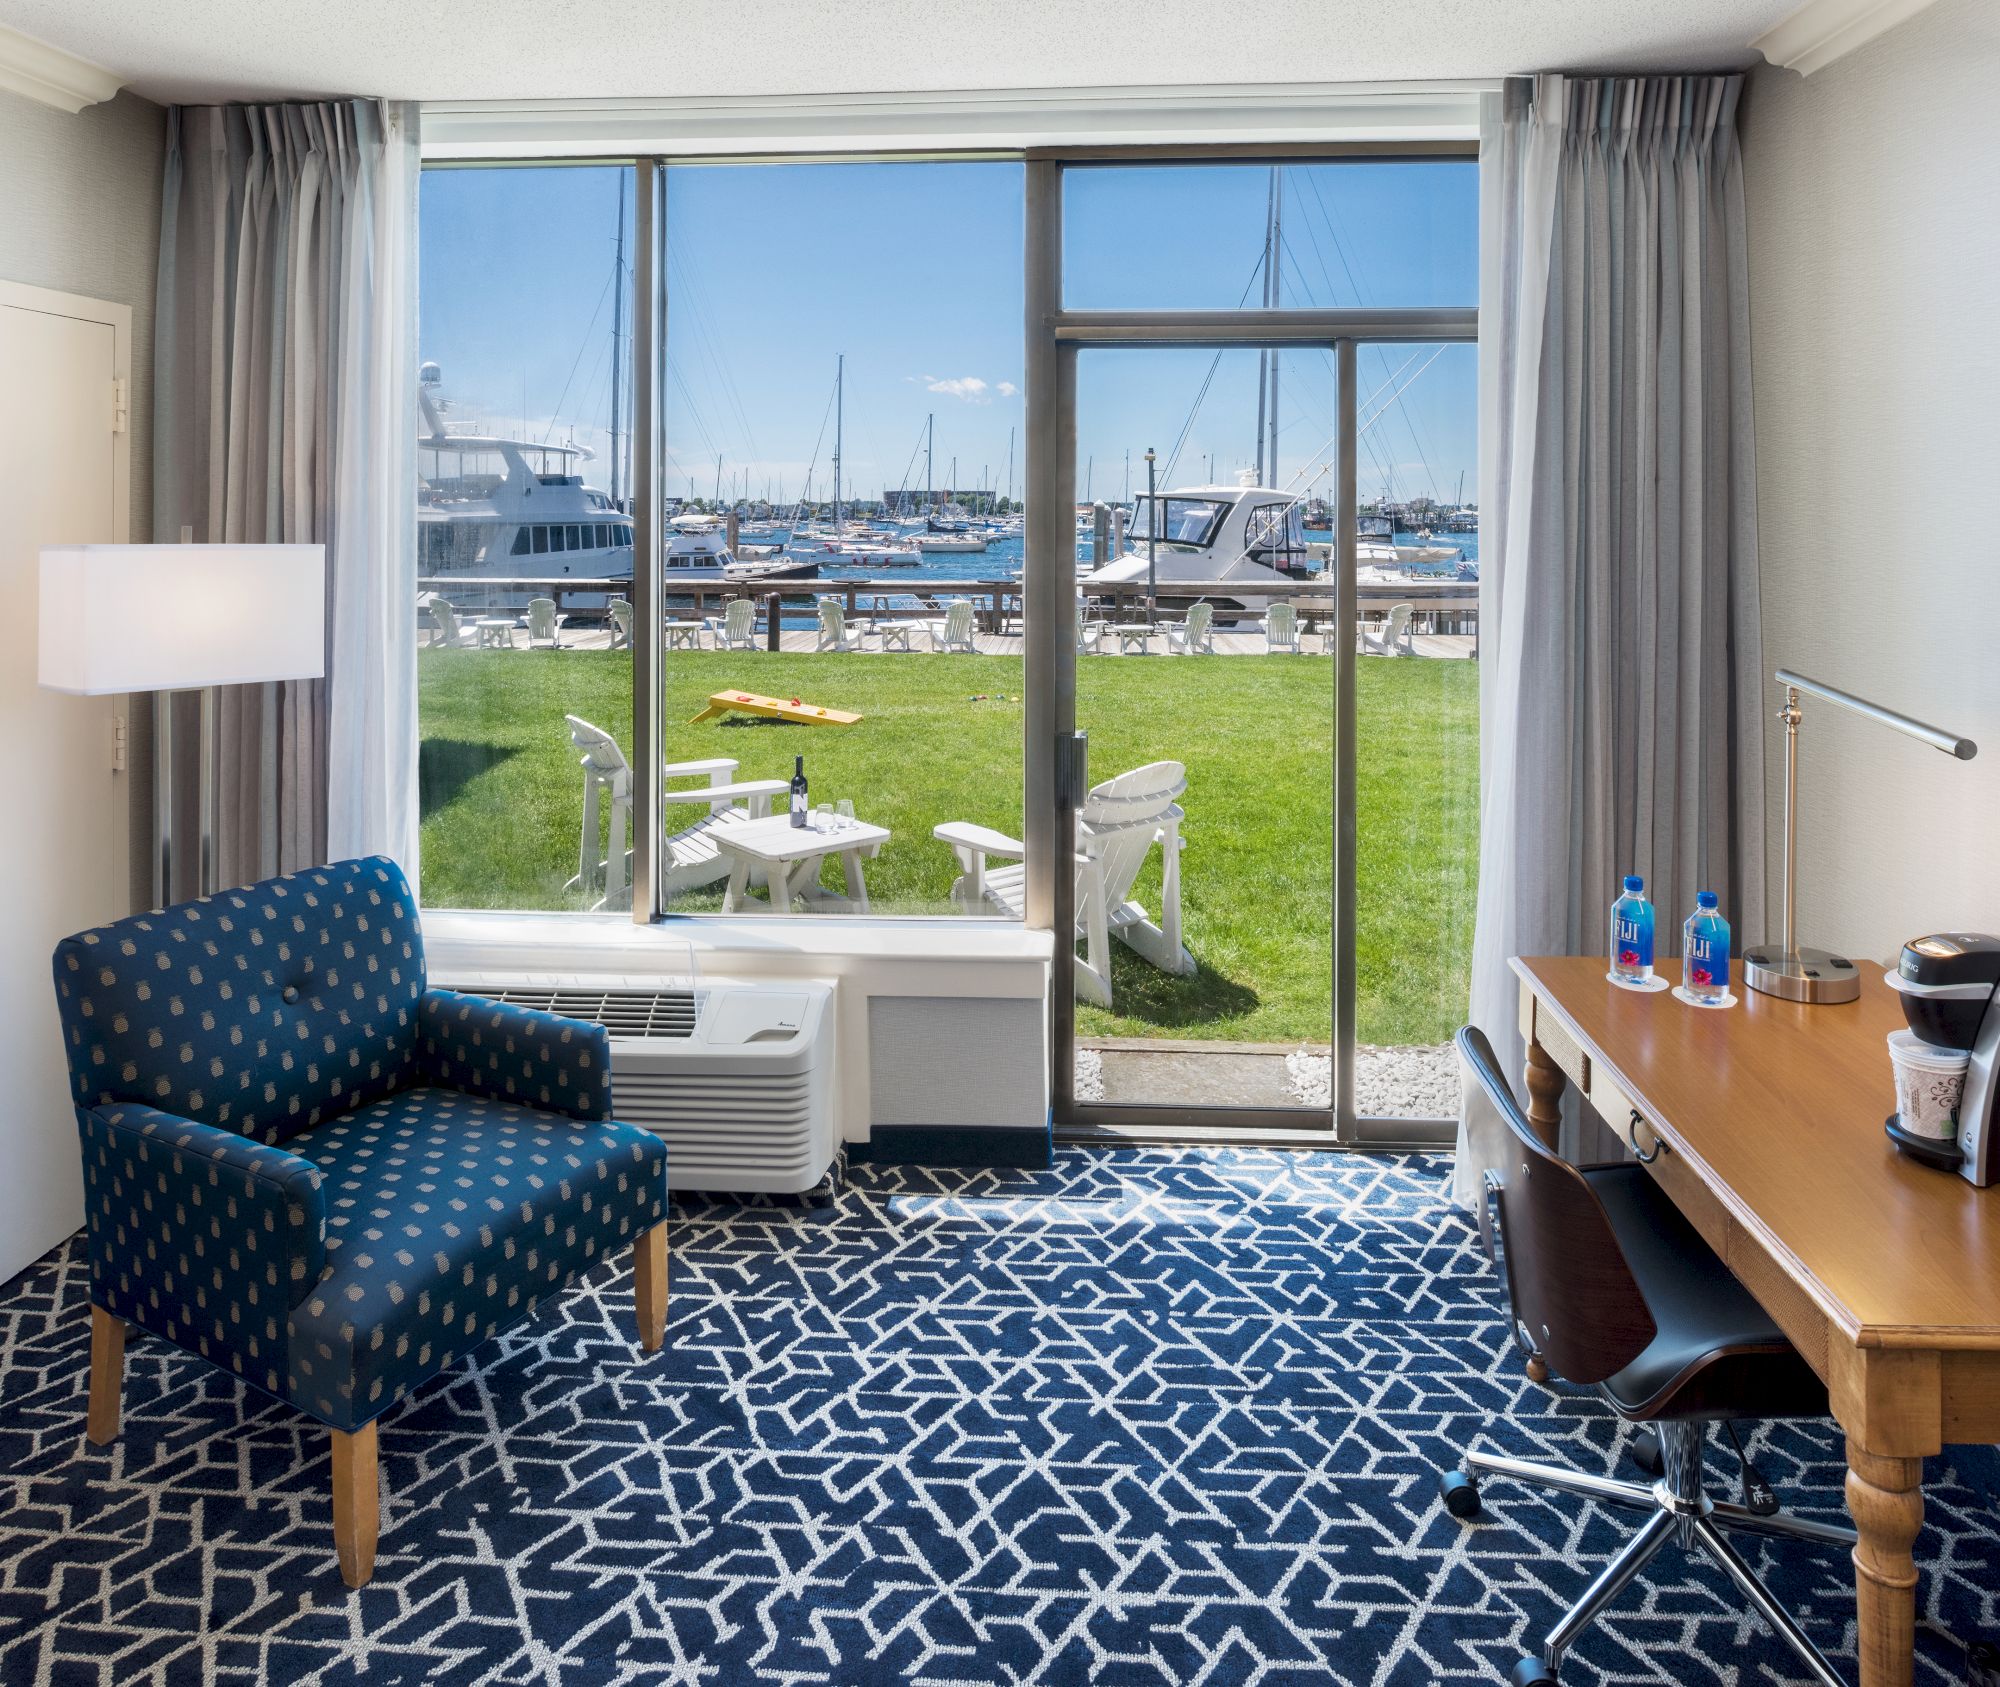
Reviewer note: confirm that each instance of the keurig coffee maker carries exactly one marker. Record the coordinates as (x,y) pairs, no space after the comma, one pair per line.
(1950,986)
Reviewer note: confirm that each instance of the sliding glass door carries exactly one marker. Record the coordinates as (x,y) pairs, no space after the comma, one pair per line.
(1272,672)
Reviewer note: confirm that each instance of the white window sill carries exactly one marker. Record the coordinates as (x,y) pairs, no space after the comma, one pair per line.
(487,940)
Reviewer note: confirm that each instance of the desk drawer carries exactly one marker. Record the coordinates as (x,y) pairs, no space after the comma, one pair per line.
(1667,1167)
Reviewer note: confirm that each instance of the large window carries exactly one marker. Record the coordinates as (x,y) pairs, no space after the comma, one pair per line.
(844,385)
(525,541)
(840,449)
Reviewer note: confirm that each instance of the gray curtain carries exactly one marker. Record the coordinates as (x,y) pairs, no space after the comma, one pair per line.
(1623,652)
(282,414)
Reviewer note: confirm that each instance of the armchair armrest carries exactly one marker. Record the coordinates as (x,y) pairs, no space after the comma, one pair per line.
(510,1053)
(721,795)
(715,769)
(982,840)
(210,1218)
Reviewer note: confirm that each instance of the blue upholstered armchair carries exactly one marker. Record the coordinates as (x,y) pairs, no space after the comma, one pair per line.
(308,1168)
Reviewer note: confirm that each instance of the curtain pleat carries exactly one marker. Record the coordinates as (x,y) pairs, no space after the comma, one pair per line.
(284,307)
(1622,664)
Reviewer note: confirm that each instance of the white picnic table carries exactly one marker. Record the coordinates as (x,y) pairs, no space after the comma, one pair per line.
(493,631)
(791,857)
(683,635)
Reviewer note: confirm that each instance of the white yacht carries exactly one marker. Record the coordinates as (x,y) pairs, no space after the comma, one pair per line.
(500,519)
(1241,535)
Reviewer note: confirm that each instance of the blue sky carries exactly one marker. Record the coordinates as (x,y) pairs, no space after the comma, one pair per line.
(914,272)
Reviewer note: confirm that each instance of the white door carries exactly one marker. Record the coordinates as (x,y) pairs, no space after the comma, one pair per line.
(64,863)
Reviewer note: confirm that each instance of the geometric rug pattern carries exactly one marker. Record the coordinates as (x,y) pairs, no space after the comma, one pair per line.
(1147,1417)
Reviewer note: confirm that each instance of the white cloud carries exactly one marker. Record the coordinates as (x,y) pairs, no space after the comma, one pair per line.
(970,389)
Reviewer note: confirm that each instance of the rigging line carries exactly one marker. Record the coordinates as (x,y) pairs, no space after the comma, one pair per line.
(699,312)
(1339,246)
(694,409)
(696,311)
(589,334)
(1187,427)
(813,466)
(1409,421)
(1332,292)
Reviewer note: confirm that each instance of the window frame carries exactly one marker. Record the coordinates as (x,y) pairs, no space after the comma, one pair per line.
(1053,335)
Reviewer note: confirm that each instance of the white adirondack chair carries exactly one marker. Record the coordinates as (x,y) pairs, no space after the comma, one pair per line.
(836,632)
(691,858)
(1120,822)
(1088,633)
(1281,630)
(544,624)
(1394,638)
(736,627)
(445,629)
(1195,636)
(954,632)
(621,624)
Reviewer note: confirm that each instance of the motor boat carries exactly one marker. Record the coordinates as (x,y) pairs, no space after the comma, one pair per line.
(1241,536)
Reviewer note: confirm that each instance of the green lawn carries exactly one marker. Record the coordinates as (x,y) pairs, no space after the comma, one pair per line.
(941,740)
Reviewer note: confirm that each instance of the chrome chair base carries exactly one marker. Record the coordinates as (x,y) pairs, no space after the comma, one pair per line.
(1678,1509)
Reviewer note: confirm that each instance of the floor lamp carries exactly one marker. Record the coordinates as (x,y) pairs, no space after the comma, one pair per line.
(168,618)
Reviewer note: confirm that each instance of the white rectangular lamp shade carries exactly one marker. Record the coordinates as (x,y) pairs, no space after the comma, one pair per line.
(177,617)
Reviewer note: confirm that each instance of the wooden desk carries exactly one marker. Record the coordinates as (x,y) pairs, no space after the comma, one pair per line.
(1885,1275)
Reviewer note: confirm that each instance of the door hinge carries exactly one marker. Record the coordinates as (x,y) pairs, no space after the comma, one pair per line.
(121,405)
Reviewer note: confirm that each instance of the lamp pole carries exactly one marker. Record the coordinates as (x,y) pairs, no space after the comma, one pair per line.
(1152,544)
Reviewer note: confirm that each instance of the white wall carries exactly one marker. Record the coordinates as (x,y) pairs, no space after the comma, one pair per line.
(80,213)
(1873,201)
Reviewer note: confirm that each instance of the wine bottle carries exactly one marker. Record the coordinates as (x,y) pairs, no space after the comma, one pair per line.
(800,807)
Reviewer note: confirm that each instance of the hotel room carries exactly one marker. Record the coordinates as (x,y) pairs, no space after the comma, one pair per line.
(1000,845)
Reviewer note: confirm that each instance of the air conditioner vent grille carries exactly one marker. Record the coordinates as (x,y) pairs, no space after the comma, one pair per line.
(624,1013)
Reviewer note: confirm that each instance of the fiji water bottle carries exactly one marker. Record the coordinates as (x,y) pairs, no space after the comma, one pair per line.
(1632,933)
(1705,952)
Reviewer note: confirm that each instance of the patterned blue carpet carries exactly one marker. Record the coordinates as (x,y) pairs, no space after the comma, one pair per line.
(1150,1417)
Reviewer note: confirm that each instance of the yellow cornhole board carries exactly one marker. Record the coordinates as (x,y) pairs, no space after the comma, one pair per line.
(772,708)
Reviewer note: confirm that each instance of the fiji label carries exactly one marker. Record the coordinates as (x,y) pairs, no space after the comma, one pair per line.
(1635,941)
(1708,962)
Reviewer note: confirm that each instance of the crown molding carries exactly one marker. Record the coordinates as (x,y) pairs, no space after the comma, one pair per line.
(1821,31)
(48,74)
(954,120)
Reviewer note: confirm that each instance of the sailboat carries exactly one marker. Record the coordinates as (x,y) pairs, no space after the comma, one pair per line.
(844,545)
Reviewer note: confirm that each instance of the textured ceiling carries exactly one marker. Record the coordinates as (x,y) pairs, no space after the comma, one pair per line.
(197,50)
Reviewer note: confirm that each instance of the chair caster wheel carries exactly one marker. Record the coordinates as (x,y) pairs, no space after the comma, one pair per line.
(1645,1453)
(1532,1672)
(1460,1494)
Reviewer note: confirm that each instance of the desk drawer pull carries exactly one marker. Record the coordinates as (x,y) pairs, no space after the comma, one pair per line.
(1659,1142)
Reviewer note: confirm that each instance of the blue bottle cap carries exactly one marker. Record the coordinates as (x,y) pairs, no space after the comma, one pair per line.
(1705,898)
(1634,884)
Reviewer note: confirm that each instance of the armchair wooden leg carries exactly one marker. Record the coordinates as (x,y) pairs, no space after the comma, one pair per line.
(649,1285)
(107,1376)
(357,1506)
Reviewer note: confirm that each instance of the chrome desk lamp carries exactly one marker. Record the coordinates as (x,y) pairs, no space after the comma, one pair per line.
(1787,969)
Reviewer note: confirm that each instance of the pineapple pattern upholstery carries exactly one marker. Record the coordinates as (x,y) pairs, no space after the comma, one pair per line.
(304,1165)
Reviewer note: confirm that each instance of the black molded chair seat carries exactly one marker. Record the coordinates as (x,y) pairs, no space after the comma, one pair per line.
(1717,1353)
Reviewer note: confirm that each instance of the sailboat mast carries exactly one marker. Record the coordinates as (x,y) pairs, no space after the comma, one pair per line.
(1264,357)
(1277,280)
(617,356)
(1010,466)
(839,417)
(930,471)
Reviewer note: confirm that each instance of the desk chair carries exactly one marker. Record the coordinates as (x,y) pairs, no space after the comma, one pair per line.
(1609,1284)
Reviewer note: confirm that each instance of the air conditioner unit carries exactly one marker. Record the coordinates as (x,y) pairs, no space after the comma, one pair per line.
(736,1077)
